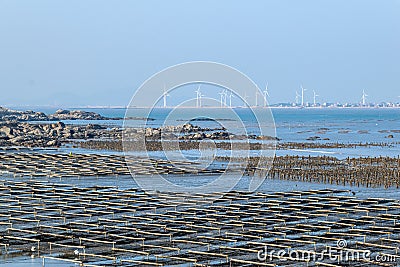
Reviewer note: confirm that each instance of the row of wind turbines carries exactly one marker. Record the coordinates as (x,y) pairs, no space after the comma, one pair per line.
(226,97)
(363,97)
(302,96)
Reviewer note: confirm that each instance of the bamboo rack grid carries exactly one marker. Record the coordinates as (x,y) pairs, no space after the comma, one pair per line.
(367,171)
(61,165)
(108,226)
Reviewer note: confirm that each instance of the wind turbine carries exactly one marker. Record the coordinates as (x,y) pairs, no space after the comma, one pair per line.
(223,97)
(266,93)
(315,97)
(198,97)
(165,95)
(302,95)
(364,98)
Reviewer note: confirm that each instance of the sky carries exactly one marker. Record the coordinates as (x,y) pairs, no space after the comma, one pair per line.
(98,52)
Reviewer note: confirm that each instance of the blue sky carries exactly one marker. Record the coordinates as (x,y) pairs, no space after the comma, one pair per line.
(97,52)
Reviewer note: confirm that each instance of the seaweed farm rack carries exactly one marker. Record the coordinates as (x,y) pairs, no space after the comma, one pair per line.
(107,226)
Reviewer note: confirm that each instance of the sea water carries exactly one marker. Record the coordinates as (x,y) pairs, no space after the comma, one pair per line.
(330,125)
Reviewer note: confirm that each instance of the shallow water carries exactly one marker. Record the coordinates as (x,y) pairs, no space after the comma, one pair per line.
(32,262)
(268,186)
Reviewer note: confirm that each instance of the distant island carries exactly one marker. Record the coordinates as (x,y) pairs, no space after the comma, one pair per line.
(10,115)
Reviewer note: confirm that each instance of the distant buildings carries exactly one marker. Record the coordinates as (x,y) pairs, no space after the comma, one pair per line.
(338,105)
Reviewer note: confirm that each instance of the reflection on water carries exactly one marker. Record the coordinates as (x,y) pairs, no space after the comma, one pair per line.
(268,186)
(22,261)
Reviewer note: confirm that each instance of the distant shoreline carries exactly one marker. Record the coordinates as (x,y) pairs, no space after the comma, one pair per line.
(180,107)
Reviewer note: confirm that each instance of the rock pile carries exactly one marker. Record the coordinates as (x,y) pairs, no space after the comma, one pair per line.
(184,131)
(14,115)
(62,114)
(51,135)
(9,115)
(54,134)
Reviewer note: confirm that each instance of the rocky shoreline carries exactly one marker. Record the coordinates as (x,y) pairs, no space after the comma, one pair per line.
(23,128)
(9,115)
(53,134)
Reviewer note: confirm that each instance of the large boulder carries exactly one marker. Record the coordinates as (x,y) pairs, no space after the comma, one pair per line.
(8,131)
(75,115)
(15,115)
